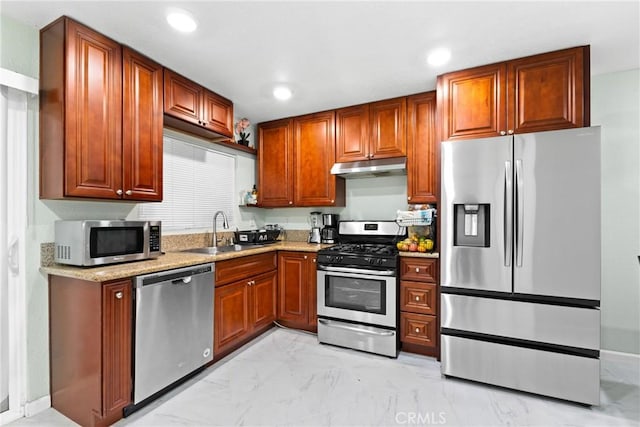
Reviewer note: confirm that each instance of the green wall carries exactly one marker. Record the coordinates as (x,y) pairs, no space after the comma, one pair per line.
(19,50)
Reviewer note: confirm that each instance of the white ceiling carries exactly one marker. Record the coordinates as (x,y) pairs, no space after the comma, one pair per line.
(337,54)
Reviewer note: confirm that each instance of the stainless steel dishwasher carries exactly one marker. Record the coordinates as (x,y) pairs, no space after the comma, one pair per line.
(174,327)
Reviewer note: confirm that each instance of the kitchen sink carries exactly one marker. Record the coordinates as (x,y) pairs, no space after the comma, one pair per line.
(221,249)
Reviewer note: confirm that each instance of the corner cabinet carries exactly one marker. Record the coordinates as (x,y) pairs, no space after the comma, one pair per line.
(542,92)
(371,131)
(422,149)
(100,117)
(294,161)
(195,109)
(90,331)
(297,290)
(244,300)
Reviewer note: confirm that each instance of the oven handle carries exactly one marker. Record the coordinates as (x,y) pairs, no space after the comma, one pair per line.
(355,329)
(356,270)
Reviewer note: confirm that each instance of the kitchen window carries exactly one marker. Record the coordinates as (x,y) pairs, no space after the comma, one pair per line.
(197,182)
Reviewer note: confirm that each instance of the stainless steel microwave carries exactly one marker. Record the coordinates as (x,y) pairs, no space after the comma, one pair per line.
(91,242)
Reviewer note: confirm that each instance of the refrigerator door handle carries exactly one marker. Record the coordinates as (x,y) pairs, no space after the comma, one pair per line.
(519,214)
(508,214)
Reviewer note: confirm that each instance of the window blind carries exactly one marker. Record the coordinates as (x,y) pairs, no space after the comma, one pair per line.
(197,182)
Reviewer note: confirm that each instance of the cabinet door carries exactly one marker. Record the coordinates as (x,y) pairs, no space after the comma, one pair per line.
(422,149)
(218,114)
(183,98)
(93,128)
(275,164)
(231,311)
(141,127)
(388,120)
(314,154)
(312,280)
(352,133)
(263,299)
(293,288)
(116,348)
(472,103)
(549,91)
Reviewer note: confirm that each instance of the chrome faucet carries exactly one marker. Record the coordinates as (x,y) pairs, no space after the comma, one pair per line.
(225,224)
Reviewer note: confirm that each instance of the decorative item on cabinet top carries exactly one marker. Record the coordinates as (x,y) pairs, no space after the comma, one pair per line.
(243,136)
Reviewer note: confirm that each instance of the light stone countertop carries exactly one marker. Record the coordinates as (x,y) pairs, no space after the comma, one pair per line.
(168,261)
(419,254)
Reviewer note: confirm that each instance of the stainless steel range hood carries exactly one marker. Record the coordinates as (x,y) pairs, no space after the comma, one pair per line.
(371,168)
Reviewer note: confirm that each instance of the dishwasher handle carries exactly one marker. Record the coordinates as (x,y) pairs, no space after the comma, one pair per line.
(183,281)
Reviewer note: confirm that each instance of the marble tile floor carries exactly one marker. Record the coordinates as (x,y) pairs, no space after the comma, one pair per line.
(285,378)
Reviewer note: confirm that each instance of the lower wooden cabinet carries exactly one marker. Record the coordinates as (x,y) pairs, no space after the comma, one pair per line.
(90,332)
(419,295)
(297,290)
(244,300)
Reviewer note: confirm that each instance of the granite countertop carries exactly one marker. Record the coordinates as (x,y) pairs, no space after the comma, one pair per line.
(168,261)
(419,254)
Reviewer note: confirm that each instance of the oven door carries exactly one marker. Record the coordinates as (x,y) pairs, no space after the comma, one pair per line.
(364,296)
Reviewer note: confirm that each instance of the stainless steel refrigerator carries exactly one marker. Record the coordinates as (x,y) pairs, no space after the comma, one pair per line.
(520,262)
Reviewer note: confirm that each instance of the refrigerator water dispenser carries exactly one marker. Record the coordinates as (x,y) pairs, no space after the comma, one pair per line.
(471,225)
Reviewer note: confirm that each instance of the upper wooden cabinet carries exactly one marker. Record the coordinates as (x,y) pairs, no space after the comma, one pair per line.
(537,93)
(88,147)
(294,161)
(207,112)
(368,131)
(422,149)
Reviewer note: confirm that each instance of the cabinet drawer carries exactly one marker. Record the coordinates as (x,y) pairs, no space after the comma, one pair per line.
(418,297)
(240,268)
(418,329)
(419,269)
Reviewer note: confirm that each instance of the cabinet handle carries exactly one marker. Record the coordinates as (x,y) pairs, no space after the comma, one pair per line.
(290,202)
(417,298)
(502,133)
(371,156)
(128,192)
(119,192)
(408,197)
(417,330)
(119,295)
(417,269)
(510,131)
(314,260)
(251,282)
(305,257)
(332,201)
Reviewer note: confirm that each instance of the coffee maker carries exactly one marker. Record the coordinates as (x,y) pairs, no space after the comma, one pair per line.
(314,234)
(330,230)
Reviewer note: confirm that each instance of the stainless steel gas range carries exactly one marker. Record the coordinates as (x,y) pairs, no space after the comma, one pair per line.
(358,287)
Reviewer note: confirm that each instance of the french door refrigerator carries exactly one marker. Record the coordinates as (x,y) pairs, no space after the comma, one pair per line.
(520,262)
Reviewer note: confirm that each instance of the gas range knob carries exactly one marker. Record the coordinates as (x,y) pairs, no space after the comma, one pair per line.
(381,260)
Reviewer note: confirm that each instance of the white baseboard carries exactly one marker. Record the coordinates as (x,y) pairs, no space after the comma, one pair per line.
(36,406)
(618,355)
(10,416)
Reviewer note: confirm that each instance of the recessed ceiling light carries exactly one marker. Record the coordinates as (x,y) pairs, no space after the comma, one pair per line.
(181,21)
(282,93)
(439,57)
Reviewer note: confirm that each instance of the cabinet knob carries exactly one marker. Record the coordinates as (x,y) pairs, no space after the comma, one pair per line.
(119,192)
(417,269)
(371,156)
(333,201)
(502,133)
(417,330)
(314,260)
(119,294)
(290,202)
(128,192)
(417,298)
(510,131)
(408,197)
(305,257)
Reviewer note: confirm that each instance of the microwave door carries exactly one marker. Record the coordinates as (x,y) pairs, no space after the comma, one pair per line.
(558,213)
(476,217)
